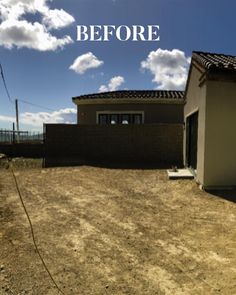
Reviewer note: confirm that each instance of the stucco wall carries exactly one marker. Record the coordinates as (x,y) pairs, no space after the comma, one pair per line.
(158,145)
(220,145)
(196,101)
(153,112)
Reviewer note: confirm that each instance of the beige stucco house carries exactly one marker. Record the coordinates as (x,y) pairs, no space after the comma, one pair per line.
(210,119)
(206,111)
(130,107)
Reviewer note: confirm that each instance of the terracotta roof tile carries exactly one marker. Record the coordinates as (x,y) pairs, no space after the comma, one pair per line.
(215,60)
(134,94)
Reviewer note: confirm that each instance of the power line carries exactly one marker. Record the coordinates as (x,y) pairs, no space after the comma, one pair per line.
(21,100)
(5,84)
(35,105)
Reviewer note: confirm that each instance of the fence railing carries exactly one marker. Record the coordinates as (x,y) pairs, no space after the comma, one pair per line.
(11,136)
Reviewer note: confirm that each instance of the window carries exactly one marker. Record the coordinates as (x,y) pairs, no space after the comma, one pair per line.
(137,118)
(114,119)
(120,118)
(125,119)
(102,119)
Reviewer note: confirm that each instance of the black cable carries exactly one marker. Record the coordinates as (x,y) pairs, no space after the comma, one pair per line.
(35,105)
(24,101)
(32,231)
(5,84)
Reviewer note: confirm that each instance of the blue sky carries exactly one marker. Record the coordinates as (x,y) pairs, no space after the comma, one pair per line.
(37,63)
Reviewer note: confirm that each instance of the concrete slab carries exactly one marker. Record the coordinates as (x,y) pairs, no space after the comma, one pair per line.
(180,174)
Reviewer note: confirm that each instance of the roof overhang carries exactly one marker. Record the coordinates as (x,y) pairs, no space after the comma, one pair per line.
(211,74)
(94,101)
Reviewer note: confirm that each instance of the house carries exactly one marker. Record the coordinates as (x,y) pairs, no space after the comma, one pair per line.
(130,107)
(210,119)
(194,128)
(127,128)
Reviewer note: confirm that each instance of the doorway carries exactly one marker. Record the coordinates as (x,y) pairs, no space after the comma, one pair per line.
(192,140)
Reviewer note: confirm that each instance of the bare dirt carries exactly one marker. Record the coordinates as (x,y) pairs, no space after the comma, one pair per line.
(111,231)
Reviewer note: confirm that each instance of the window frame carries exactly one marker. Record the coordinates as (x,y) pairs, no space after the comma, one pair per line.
(110,113)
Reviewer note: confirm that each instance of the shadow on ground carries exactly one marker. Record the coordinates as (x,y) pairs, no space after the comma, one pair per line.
(107,163)
(229,195)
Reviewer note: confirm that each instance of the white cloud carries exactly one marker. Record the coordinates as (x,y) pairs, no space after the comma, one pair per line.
(56,19)
(35,36)
(7,119)
(85,62)
(37,119)
(15,30)
(113,84)
(170,68)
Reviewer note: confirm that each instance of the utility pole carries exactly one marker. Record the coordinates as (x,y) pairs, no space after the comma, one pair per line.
(13,131)
(17,121)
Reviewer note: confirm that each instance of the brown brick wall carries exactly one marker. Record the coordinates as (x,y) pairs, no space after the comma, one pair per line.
(156,145)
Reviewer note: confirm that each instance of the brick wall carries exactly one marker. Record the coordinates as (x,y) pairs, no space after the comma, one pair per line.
(159,145)
(27,150)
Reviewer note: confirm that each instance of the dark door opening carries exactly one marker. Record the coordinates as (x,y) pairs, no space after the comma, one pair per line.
(191,140)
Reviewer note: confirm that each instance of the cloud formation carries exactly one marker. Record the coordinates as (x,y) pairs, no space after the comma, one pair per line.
(15,30)
(85,62)
(113,84)
(67,116)
(7,119)
(170,68)
(57,19)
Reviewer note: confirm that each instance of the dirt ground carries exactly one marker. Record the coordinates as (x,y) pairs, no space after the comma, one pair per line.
(113,231)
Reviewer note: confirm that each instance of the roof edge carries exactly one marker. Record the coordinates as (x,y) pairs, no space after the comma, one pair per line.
(119,93)
(212,53)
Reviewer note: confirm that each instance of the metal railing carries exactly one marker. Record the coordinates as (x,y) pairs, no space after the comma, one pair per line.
(11,136)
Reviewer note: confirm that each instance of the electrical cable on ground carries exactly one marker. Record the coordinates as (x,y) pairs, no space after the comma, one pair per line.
(32,230)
